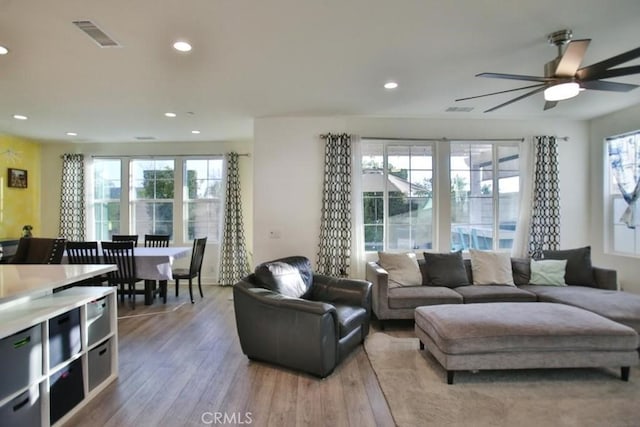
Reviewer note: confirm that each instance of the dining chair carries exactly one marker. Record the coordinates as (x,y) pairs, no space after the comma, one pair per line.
(121,254)
(39,250)
(156,240)
(85,253)
(194,270)
(125,238)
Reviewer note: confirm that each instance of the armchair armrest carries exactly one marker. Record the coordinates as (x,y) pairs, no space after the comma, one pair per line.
(291,332)
(605,278)
(341,290)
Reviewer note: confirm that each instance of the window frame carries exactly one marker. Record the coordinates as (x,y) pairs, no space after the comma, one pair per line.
(441,187)
(610,195)
(126,200)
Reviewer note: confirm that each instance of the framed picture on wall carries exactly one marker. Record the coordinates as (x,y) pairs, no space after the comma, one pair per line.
(17,178)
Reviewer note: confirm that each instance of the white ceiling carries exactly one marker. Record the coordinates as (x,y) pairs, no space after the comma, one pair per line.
(260,58)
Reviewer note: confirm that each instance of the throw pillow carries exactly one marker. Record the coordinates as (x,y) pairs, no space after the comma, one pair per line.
(491,268)
(403,268)
(548,272)
(282,278)
(579,271)
(446,269)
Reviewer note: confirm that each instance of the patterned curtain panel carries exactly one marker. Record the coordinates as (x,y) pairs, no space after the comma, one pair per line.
(624,156)
(545,213)
(335,228)
(234,262)
(72,210)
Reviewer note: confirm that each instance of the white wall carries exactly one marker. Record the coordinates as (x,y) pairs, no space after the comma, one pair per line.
(288,171)
(52,169)
(613,124)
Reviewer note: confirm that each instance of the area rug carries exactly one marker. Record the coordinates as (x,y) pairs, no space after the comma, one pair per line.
(417,392)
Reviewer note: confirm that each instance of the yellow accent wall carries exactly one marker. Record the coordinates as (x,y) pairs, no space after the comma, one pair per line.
(19,206)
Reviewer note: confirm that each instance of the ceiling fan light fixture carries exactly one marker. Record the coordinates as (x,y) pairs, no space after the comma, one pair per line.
(561,91)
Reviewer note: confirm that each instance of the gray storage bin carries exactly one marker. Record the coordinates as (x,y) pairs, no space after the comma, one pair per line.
(21,356)
(99,364)
(23,410)
(64,337)
(98,320)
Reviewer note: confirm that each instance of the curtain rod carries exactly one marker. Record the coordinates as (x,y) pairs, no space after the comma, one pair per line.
(164,155)
(377,138)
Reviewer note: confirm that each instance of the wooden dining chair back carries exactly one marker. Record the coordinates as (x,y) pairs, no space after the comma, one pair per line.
(156,240)
(125,238)
(121,254)
(195,268)
(85,253)
(39,250)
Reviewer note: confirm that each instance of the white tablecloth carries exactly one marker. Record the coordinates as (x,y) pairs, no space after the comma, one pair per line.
(154,263)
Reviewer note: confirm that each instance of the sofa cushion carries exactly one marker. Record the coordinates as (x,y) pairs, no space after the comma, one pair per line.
(491,268)
(549,272)
(494,293)
(402,268)
(622,307)
(521,269)
(446,269)
(290,276)
(415,296)
(579,270)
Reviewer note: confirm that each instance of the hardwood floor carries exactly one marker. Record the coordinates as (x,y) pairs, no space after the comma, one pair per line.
(184,367)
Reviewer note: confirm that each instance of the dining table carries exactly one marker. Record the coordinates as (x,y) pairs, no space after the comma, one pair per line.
(153,265)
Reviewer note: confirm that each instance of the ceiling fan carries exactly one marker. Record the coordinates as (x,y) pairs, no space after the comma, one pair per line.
(562,77)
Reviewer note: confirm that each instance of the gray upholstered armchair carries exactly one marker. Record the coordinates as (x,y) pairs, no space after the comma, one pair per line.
(290,316)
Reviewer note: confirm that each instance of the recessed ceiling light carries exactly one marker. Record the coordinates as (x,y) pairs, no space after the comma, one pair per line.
(390,85)
(195,132)
(3,50)
(182,46)
(72,134)
(19,117)
(170,114)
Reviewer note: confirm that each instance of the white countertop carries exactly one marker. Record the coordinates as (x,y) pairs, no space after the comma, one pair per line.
(35,280)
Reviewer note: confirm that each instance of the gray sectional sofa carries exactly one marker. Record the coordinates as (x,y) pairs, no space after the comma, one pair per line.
(599,296)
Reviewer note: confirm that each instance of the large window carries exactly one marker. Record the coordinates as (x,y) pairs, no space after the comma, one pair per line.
(181,197)
(623,173)
(152,186)
(400,198)
(484,195)
(203,198)
(107,190)
(397,196)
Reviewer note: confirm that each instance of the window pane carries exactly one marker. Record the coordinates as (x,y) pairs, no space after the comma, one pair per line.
(475,176)
(107,190)
(203,195)
(373,188)
(152,192)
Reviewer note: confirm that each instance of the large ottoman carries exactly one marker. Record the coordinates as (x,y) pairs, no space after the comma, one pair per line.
(523,336)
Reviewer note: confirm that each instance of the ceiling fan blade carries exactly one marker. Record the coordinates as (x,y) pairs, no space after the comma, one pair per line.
(608,86)
(614,72)
(549,104)
(593,71)
(516,77)
(572,58)
(533,92)
(497,93)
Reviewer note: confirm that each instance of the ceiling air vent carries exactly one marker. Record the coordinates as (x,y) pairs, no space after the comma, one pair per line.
(145,138)
(459,109)
(96,34)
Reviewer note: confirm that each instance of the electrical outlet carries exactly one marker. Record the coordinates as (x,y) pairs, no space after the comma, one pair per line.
(274,234)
